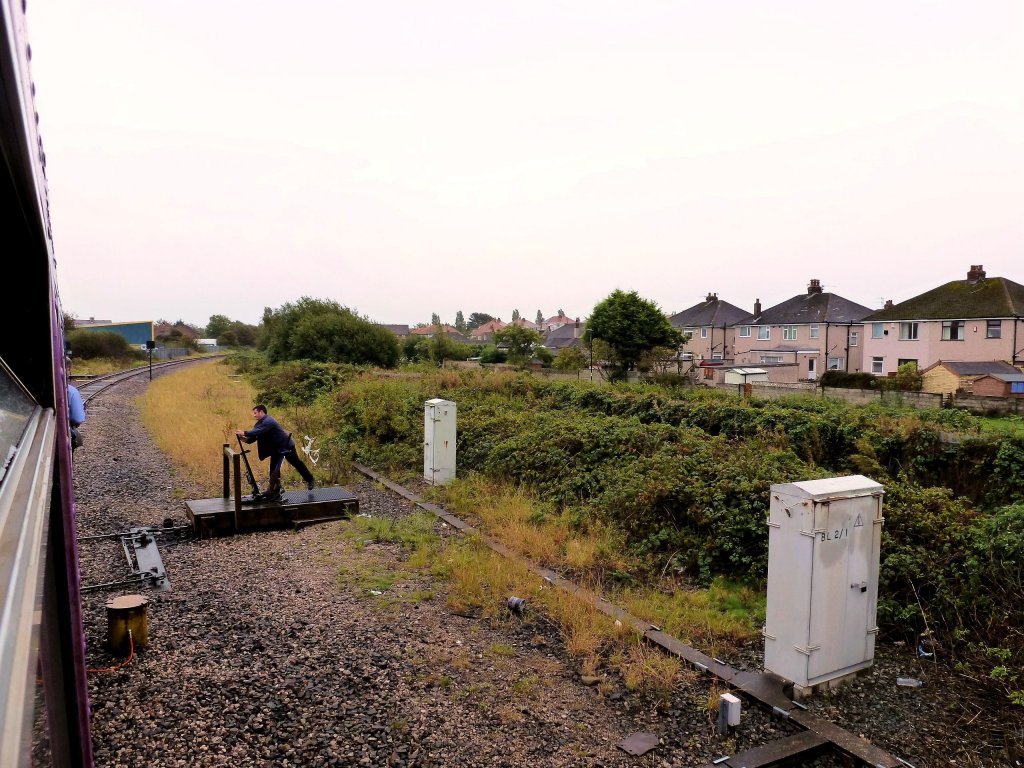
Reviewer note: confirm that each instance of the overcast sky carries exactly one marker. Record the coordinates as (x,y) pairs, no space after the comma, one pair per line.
(405,158)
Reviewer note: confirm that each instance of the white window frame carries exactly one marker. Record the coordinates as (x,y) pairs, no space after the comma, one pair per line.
(910,331)
(771,359)
(838,363)
(854,338)
(815,330)
(704,332)
(764,332)
(877,365)
(744,331)
(789,333)
(993,325)
(877,330)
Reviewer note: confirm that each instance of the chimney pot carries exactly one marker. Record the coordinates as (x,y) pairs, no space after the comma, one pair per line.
(888,304)
(757,306)
(976,273)
(814,287)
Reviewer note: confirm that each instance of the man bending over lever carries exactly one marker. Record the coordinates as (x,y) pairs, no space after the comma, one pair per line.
(273,442)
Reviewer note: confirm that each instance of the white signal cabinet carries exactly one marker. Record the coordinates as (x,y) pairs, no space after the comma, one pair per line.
(439,441)
(823,552)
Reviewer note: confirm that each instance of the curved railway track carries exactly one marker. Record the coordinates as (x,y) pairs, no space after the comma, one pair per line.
(89,388)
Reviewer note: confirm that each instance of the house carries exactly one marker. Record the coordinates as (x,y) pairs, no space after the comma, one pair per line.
(1000,385)
(707,324)
(556,321)
(177,330)
(430,330)
(522,322)
(947,376)
(980,318)
(801,337)
(401,331)
(485,332)
(567,335)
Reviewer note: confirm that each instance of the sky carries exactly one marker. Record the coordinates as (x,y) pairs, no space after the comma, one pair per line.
(409,158)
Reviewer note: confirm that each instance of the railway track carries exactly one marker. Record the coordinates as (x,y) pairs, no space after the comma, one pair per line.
(818,736)
(91,387)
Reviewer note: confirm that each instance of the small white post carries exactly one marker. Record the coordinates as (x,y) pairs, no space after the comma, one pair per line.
(728,712)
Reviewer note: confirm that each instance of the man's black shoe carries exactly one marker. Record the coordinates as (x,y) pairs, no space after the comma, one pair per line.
(310,485)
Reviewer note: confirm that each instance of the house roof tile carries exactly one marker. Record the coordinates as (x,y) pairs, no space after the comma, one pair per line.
(960,299)
(809,308)
(711,311)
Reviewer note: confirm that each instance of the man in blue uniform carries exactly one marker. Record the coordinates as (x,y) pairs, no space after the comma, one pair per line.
(76,415)
(273,442)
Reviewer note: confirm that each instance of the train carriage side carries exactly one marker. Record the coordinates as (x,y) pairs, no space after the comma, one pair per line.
(42,648)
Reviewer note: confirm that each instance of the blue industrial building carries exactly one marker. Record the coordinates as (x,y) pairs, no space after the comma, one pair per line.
(135,333)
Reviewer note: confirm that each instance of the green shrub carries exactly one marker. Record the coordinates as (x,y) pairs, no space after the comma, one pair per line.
(87,345)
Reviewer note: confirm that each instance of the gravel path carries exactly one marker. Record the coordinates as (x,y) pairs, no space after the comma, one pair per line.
(265,654)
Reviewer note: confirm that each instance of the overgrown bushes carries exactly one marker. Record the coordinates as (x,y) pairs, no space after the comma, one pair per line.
(686,477)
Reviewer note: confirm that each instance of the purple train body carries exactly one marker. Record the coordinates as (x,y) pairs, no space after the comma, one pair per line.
(42,644)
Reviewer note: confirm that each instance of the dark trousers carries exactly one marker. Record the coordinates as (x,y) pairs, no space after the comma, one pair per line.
(276,460)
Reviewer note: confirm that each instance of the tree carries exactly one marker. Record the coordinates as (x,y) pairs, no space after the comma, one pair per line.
(460,322)
(540,318)
(630,326)
(238,334)
(561,313)
(435,319)
(476,319)
(519,343)
(908,378)
(515,315)
(570,359)
(319,329)
(491,354)
(217,325)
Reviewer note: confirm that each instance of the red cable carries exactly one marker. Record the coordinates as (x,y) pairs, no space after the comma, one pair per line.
(131,655)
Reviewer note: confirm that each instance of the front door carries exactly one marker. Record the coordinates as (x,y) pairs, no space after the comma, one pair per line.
(811,374)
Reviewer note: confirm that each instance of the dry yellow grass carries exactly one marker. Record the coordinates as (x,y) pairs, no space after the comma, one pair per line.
(191,413)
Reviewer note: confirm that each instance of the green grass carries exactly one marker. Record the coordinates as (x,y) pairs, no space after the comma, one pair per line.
(1012,426)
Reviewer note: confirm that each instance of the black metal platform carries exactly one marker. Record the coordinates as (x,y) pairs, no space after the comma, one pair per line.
(212,517)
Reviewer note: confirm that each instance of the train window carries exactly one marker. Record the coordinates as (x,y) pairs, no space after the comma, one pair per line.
(16,406)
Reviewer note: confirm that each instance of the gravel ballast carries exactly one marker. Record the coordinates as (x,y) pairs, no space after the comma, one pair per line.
(265,652)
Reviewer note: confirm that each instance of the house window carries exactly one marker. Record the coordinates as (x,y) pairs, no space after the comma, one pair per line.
(814,330)
(876,364)
(764,332)
(908,331)
(835,363)
(771,358)
(789,332)
(994,329)
(709,373)
(854,338)
(952,330)
(745,331)
(905,360)
(877,330)
(1017,387)
(703,333)
(716,355)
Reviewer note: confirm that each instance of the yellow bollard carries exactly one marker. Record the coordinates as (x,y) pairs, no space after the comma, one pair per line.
(125,613)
